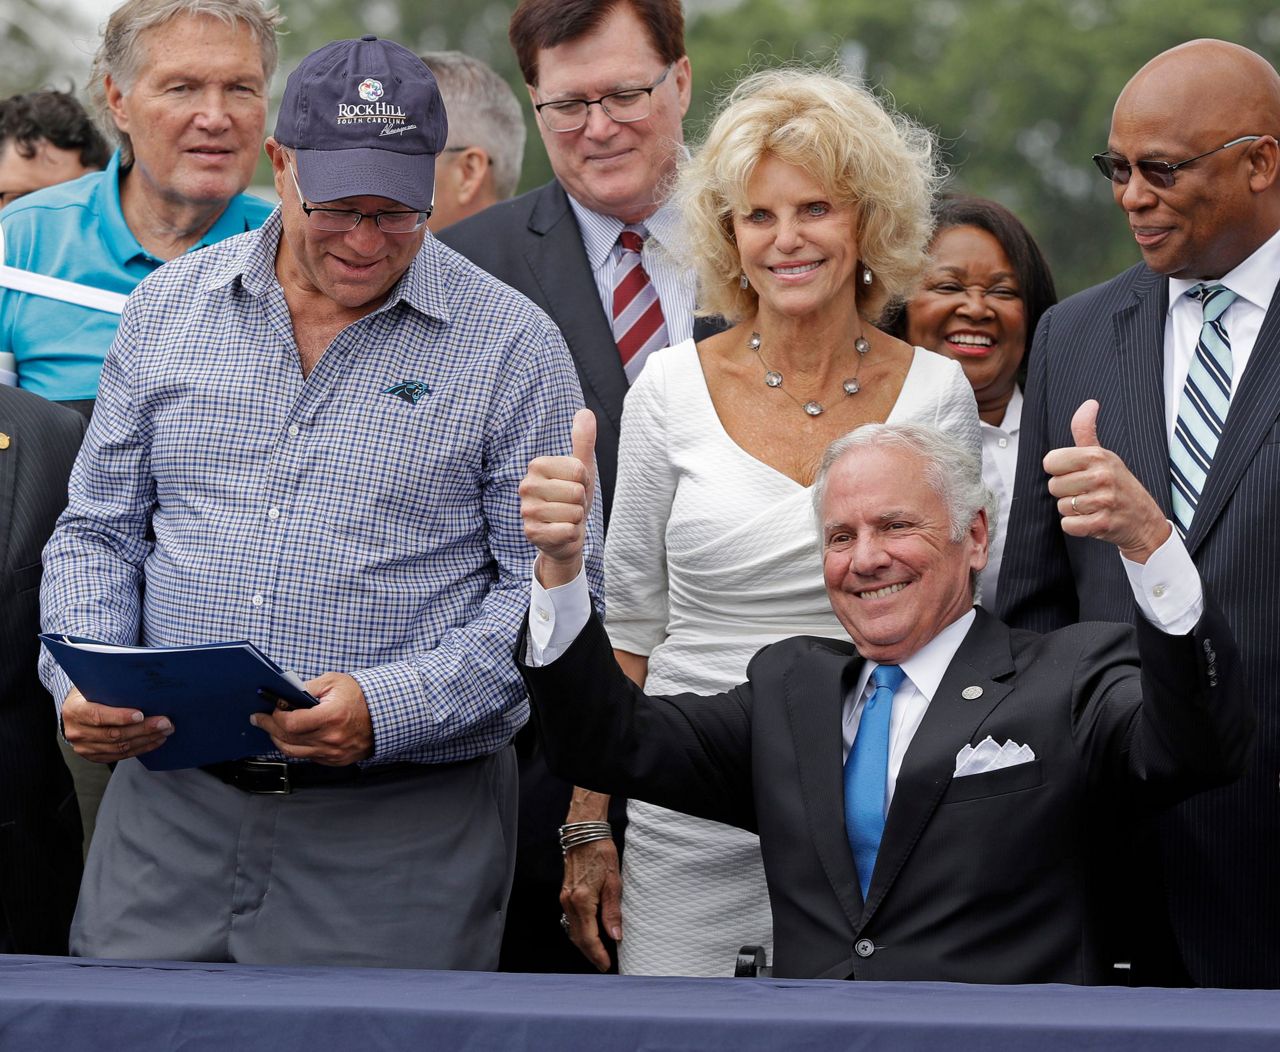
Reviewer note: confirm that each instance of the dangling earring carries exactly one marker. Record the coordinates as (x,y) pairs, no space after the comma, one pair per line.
(866,275)
(742,281)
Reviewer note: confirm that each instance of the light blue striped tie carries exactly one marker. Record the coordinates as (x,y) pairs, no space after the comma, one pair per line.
(865,772)
(1203,410)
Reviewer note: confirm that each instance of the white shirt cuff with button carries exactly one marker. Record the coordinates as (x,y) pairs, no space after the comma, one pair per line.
(1167,587)
(556,616)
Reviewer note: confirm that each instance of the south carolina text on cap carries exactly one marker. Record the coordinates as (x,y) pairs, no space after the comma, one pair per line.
(365,118)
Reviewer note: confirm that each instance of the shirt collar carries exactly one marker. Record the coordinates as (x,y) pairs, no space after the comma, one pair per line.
(116,235)
(600,232)
(926,667)
(664,226)
(421,287)
(1012,415)
(1254,279)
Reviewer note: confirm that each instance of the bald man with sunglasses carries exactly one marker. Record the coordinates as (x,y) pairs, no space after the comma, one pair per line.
(1186,344)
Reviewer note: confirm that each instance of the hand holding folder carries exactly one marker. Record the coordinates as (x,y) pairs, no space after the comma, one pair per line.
(338,731)
(206,693)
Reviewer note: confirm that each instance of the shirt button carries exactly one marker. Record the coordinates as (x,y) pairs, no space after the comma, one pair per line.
(1158,590)
(864,948)
(543,615)
(274,513)
(1004,443)
(257,600)
(293,430)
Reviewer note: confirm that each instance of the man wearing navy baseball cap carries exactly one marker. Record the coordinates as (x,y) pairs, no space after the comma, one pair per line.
(311,437)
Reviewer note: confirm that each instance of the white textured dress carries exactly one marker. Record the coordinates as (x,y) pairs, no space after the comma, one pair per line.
(711,555)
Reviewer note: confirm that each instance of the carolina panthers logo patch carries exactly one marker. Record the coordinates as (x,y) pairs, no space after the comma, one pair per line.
(409,390)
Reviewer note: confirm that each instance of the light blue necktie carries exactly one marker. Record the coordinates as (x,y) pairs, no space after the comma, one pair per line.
(1203,410)
(864,774)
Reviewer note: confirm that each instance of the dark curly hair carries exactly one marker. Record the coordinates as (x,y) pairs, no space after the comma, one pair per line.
(57,118)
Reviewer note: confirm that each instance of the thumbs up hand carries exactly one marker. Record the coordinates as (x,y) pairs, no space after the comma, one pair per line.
(1099,497)
(555,503)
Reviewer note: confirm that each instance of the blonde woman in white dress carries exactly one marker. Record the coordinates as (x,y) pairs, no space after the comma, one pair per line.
(809,207)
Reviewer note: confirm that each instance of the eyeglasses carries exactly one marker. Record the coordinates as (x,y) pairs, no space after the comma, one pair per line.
(1157,173)
(624,107)
(340,220)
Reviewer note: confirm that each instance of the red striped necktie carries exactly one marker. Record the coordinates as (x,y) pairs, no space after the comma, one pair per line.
(638,325)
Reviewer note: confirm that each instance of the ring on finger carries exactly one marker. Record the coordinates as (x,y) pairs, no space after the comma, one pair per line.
(564,923)
(1075,510)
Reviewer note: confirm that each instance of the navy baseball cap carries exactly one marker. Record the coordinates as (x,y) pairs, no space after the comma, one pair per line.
(364,117)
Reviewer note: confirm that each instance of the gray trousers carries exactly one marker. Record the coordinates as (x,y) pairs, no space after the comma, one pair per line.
(409,872)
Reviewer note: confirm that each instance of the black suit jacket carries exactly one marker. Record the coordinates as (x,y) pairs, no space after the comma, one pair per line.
(1220,852)
(987,878)
(533,243)
(39,820)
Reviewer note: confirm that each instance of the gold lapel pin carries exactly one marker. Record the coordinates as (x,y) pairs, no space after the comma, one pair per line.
(4,440)
(971,693)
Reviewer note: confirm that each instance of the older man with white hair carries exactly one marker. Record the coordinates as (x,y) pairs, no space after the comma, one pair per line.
(931,794)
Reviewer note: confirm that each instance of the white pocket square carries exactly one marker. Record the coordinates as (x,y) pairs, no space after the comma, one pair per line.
(988,756)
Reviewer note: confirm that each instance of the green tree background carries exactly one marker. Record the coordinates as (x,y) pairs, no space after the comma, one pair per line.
(1019,92)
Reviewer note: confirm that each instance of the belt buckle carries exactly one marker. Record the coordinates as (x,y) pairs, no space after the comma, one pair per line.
(268,777)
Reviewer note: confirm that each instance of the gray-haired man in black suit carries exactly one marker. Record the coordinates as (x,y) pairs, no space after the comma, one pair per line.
(931,793)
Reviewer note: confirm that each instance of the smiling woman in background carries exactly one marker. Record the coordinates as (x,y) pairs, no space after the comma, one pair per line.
(982,296)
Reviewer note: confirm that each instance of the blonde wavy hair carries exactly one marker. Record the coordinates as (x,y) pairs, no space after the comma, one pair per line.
(860,150)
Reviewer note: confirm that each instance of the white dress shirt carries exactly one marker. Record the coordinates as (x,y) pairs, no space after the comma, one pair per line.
(1254,283)
(673,281)
(999,462)
(923,672)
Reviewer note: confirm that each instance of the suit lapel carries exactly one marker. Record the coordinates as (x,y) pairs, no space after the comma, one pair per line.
(815,706)
(1251,416)
(8,488)
(1139,353)
(559,265)
(949,723)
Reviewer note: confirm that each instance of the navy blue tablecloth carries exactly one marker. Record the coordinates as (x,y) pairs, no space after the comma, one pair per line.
(65,1005)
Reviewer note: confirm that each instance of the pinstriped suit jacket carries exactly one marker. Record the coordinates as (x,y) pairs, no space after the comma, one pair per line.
(1220,851)
(39,820)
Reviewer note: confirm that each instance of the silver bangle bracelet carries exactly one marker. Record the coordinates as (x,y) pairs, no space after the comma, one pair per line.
(578,839)
(572,834)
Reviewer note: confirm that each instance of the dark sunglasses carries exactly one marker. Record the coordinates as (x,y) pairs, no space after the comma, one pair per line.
(1157,173)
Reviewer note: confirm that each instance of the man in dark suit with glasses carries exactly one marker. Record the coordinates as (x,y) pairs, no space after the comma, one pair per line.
(610,83)
(1184,349)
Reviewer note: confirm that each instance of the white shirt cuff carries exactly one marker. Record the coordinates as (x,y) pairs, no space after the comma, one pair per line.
(1167,587)
(556,616)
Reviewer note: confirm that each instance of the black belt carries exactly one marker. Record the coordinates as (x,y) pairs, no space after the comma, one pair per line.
(276,777)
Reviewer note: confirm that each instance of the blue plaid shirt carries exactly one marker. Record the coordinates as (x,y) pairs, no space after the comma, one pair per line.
(363,521)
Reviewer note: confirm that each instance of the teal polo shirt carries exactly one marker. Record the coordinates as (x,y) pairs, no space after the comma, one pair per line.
(76,231)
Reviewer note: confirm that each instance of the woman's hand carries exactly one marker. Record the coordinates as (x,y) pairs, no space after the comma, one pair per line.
(591,897)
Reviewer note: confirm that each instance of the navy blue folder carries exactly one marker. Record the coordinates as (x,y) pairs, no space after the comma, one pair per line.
(207,691)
